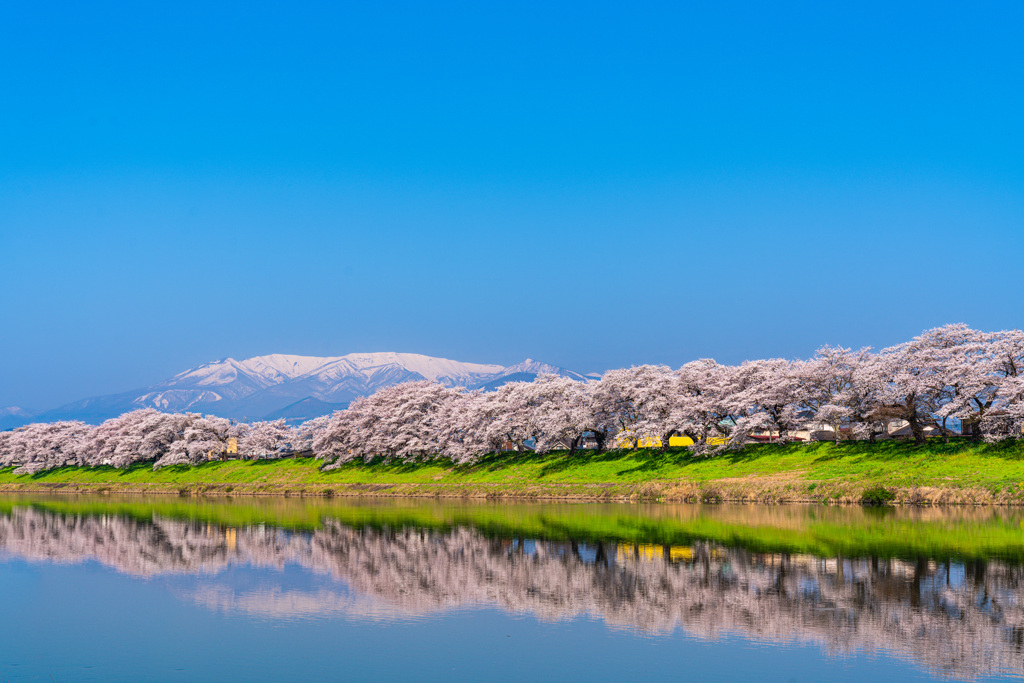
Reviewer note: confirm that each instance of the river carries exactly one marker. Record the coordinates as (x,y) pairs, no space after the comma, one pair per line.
(167,588)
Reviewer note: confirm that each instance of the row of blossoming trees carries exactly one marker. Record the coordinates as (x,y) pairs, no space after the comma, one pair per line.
(949,375)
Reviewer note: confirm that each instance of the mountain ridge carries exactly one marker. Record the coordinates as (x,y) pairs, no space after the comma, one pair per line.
(293,386)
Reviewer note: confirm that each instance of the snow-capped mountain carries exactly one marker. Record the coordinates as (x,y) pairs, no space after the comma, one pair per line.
(358,374)
(271,385)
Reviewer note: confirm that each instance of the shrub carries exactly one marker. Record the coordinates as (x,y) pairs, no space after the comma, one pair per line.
(877,495)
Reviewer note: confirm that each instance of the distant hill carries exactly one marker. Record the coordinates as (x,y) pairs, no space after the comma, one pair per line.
(294,387)
(305,409)
(527,371)
(13,416)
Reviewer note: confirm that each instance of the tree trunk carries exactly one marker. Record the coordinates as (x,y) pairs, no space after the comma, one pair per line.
(917,429)
(776,415)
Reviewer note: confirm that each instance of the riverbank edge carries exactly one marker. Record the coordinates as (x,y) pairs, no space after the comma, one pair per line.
(900,473)
(764,490)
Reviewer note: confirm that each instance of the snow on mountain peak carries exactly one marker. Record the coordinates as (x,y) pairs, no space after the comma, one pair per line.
(533,367)
(261,385)
(279,364)
(429,367)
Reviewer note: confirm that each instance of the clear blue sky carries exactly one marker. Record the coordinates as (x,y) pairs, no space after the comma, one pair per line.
(591,184)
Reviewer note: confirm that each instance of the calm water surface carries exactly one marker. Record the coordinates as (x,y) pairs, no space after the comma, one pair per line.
(134,589)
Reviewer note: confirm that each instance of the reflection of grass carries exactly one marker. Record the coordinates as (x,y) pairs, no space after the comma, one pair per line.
(818,531)
(998,469)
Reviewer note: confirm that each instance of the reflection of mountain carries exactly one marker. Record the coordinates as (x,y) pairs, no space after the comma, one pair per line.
(960,619)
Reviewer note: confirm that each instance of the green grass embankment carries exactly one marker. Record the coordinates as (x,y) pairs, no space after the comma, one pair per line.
(960,472)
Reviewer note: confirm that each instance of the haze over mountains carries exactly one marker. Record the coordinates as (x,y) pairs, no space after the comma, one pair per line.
(292,387)
(13,416)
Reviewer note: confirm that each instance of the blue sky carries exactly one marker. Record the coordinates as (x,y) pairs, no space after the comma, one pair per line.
(592,184)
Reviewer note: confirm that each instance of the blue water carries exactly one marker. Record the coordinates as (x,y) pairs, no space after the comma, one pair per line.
(115,599)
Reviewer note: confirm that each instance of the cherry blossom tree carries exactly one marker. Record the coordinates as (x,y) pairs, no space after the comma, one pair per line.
(307,432)
(564,412)
(399,422)
(465,424)
(1005,417)
(200,436)
(337,440)
(44,446)
(966,385)
(265,440)
(909,383)
(137,436)
(768,394)
(829,392)
(637,401)
(410,426)
(706,408)
(513,415)
(614,413)
(6,452)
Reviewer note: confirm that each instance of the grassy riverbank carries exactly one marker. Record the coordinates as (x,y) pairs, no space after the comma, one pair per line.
(963,472)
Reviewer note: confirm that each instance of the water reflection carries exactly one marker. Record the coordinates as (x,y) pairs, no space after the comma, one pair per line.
(957,618)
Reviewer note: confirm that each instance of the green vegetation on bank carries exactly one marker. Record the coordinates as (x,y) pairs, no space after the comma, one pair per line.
(937,472)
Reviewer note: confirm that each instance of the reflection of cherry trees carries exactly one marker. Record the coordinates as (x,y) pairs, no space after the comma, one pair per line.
(963,619)
(946,375)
